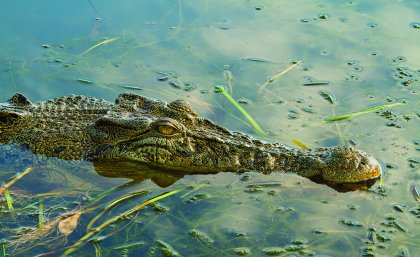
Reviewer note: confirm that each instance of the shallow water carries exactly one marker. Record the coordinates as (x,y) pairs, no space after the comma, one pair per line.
(366,52)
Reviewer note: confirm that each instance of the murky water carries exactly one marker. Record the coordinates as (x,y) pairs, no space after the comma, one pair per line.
(362,54)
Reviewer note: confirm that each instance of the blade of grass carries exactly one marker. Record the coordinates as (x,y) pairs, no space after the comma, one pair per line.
(242,110)
(107,41)
(55,193)
(3,248)
(9,202)
(236,117)
(229,77)
(193,190)
(76,245)
(112,204)
(11,182)
(41,215)
(100,197)
(330,98)
(98,251)
(353,114)
(300,144)
(278,75)
(337,126)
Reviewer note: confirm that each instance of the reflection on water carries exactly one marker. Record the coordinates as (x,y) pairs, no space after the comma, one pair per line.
(355,55)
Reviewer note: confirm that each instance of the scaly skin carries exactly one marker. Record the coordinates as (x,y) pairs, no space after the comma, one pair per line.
(166,135)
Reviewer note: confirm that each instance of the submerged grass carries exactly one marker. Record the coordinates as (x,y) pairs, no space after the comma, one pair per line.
(14,180)
(98,229)
(98,251)
(243,111)
(112,204)
(353,114)
(9,202)
(41,215)
(129,245)
(278,75)
(5,189)
(229,77)
(3,249)
(99,197)
(331,99)
(107,41)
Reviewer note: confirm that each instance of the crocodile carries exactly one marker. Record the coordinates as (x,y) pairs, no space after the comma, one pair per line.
(167,136)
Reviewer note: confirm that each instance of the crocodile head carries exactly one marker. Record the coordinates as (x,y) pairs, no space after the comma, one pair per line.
(169,135)
(173,136)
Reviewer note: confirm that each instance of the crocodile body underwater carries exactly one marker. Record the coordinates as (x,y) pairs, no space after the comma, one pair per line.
(171,136)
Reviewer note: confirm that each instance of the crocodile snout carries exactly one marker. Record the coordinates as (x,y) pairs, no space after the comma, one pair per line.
(348,165)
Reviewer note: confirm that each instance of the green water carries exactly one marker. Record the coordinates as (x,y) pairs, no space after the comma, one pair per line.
(366,52)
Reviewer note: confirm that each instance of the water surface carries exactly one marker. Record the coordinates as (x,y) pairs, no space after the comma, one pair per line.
(367,53)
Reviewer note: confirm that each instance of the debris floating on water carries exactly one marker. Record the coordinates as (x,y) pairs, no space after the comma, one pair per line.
(69,224)
(415,191)
(415,25)
(85,81)
(327,96)
(130,87)
(96,45)
(174,84)
(317,83)
(253,59)
(277,75)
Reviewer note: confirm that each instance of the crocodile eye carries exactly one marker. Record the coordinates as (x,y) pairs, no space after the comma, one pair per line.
(166,130)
